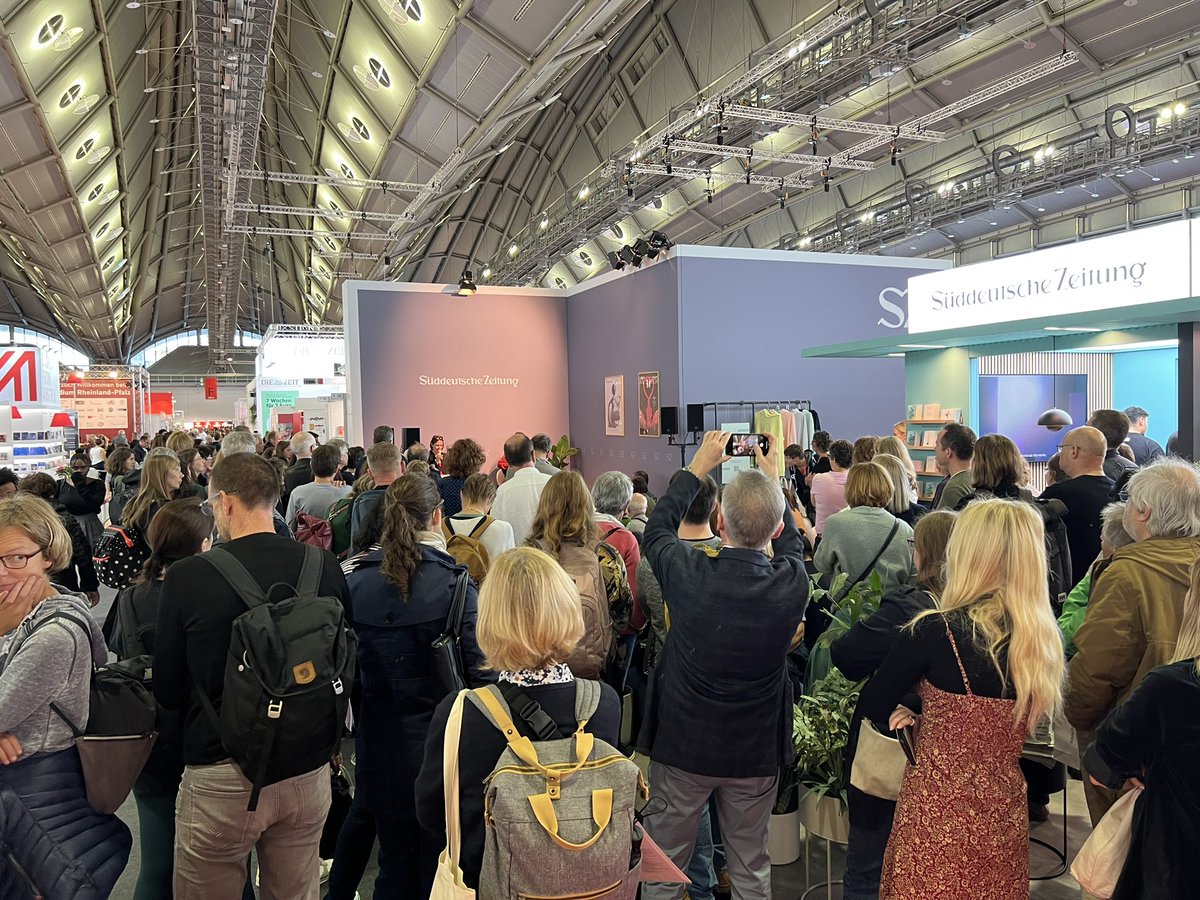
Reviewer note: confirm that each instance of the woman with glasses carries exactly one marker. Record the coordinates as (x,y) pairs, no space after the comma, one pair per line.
(49,642)
(80,575)
(401,592)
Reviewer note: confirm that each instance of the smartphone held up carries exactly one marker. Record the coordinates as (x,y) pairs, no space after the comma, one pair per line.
(743,444)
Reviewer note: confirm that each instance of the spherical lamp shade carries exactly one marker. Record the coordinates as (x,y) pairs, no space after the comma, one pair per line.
(1055,419)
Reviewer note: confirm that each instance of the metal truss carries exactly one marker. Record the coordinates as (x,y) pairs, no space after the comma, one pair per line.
(363,184)
(229,104)
(269,209)
(345,254)
(782,117)
(277,231)
(750,154)
(794,181)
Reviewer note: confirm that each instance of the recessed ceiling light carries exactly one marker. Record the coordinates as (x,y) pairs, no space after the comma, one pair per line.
(50,30)
(1041,209)
(991,223)
(1094,194)
(133,4)
(1155,179)
(946,82)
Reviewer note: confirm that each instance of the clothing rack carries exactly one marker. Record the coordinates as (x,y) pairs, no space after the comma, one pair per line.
(754,405)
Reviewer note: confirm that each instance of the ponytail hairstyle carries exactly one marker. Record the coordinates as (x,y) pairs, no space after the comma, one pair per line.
(177,531)
(409,505)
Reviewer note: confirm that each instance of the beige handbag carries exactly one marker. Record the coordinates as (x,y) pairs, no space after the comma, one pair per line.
(1098,865)
(879,763)
(448,882)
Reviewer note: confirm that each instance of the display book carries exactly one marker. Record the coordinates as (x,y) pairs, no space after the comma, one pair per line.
(922,423)
(28,442)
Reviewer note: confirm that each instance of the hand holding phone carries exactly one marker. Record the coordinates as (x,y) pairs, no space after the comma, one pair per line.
(740,444)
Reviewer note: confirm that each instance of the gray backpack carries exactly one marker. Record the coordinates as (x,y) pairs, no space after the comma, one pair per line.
(559,812)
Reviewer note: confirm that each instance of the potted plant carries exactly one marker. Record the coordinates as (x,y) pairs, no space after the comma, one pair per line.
(783,830)
(562,451)
(821,726)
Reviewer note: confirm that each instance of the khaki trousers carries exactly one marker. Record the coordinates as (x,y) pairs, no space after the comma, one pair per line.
(214,833)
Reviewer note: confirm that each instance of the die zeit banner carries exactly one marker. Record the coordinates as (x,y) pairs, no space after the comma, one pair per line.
(104,405)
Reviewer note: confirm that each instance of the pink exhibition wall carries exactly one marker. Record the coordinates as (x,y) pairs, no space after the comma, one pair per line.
(480,367)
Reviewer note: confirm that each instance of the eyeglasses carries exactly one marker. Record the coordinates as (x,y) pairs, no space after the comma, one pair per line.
(207,506)
(18,560)
(1066,447)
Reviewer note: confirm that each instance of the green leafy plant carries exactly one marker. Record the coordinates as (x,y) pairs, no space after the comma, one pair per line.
(562,451)
(821,720)
(821,731)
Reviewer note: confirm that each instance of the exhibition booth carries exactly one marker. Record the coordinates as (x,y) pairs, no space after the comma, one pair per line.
(616,361)
(1098,323)
(300,381)
(106,401)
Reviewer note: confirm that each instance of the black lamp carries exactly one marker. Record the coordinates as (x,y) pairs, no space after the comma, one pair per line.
(466,286)
(1055,419)
(614,260)
(631,256)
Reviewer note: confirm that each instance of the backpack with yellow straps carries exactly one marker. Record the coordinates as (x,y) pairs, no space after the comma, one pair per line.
(559,811)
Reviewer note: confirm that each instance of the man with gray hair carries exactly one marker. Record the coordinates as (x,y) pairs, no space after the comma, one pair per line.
(235,443)
(636,510)
(733,614)
(610,495)
(1145,450)
(300,472)
(1136,608)
(541,455)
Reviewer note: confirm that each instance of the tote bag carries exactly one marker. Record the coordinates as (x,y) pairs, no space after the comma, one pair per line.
(1102,856)
(448,881)
(879,763)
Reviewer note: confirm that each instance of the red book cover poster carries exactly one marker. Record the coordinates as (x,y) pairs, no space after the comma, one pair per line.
(649,405)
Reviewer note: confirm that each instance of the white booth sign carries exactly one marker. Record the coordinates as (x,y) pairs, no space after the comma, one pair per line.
(1149,265)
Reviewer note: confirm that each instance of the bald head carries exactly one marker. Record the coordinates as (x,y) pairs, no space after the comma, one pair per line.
(1083,451)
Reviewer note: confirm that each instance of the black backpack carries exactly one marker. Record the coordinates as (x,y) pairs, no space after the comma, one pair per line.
(1120,491)
(288,675)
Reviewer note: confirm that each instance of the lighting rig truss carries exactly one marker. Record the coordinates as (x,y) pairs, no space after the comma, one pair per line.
(907,131)
(357,215)
(795,181)
(365,184)
(277,231)
(751,155)
(345,254)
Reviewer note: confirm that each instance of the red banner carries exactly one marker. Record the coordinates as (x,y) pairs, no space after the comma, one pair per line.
(162,403)
(210,389)
(18,376)
(105,405)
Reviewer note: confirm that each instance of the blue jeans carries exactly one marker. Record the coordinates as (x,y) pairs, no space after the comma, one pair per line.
(700,869)
(864,859)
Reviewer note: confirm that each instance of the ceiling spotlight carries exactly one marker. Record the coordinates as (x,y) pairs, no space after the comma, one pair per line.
(614,260)
(544,223)
(660,241)
(466,284)
(631,256)
(583,192)
(487,272)
(513,250)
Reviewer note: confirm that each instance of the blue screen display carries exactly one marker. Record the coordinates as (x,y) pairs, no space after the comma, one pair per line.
(1011,404)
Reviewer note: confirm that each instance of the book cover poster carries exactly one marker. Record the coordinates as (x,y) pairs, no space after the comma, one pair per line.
(614,405)
(649,405)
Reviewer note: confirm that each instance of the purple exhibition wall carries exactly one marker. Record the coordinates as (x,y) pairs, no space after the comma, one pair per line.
(623,326)
(480,368)
(746,319)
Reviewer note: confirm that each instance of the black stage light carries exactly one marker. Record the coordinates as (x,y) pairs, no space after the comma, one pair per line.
(614,260)
(660,241)
(642,248)
(631,256)
(466,285)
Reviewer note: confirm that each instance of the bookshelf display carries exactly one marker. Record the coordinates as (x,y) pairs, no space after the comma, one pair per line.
(28,442)
(922,424)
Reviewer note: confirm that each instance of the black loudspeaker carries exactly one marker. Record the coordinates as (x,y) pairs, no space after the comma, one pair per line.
(410,436)
(669,416)
(695,417)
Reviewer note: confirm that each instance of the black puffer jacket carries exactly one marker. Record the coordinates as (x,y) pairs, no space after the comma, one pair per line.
(69,851)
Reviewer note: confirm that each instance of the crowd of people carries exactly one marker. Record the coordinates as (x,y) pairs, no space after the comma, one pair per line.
(673,625)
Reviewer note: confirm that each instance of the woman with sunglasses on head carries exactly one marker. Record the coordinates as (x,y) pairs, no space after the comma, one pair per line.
(55,845)
(401,593)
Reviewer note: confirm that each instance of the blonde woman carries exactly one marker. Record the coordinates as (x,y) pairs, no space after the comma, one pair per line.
(161,478)
(529,622)
(1152,740)
(891,446)
(988,666)
(903,504)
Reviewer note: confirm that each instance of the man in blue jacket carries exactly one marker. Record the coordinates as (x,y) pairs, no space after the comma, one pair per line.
(722,710)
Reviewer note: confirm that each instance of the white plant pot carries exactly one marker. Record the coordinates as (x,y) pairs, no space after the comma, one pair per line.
(824,816)
(783,838)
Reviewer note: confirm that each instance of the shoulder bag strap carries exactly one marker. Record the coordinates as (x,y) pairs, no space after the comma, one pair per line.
(531,712)
(309,583)
(450,783)
(962,670)
(237,576)
(871,565)
(447,531)
(76,731)
(480,527)
(587,700)
(494,707)
(458,604)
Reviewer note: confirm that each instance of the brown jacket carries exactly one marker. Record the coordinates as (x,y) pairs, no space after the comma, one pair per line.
(1132,624)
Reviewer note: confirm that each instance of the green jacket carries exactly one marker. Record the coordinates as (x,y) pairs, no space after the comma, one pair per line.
(1073,611)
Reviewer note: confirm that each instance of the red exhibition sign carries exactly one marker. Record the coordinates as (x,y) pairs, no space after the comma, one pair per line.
(105,405)
(18,376)
(210,388)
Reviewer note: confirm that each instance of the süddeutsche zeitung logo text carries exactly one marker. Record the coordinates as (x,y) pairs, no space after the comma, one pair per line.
(468,381)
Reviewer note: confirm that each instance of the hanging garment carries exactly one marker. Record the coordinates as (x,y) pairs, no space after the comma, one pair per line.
(768,421)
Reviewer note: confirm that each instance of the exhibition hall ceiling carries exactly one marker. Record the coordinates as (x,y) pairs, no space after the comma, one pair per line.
(185,164)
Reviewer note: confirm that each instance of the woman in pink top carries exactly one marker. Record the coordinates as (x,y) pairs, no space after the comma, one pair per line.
(829,488)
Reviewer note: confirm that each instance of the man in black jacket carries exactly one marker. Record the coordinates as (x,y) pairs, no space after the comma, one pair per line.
(300,472)
(733,614)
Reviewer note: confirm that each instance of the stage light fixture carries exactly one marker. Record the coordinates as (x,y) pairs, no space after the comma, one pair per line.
(614,260)
(466,284)
(660,241)
(642,247)
(631,256)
